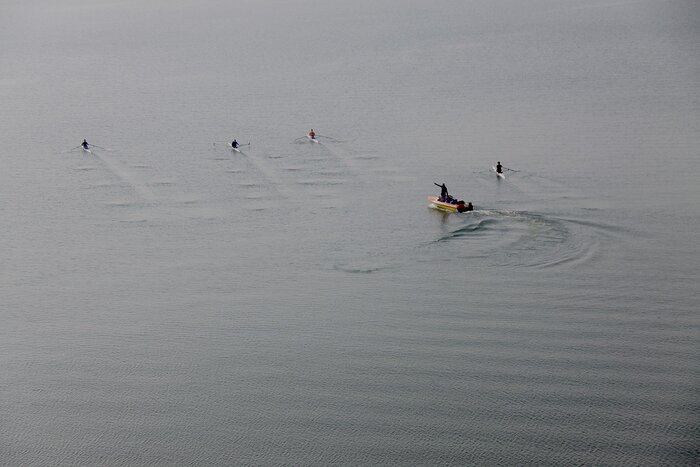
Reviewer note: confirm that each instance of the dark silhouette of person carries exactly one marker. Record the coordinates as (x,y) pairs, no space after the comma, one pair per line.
(443,190)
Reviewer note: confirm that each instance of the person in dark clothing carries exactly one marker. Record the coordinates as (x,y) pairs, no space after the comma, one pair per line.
(443,191)
(461,207)
(85,144)
(499,168)
(234,144)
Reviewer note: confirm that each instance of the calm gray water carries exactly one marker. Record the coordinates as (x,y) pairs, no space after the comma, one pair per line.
(166,301)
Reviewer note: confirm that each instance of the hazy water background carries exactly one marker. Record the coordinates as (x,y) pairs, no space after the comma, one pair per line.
(169,302)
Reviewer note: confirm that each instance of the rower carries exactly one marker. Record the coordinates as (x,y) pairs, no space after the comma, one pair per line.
(312,134)
(443,191)
(499,168)
(85,144)
(234,144)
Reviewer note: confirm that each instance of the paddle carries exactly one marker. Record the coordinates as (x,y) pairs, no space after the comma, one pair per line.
(238,148)
(335,140)
(228,143)
(72,149)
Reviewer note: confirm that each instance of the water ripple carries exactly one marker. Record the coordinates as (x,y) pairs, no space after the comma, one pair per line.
(524,239)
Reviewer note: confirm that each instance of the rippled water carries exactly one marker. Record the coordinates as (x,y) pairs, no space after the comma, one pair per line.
(165,300)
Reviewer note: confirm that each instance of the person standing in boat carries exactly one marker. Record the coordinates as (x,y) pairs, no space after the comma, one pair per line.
(85,144)
(234,144)
(499,168)
(443,191)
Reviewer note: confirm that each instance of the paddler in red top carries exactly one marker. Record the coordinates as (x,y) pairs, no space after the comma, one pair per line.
(312,134)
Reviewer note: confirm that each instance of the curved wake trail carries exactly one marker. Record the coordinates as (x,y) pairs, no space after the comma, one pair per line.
(472,230)
(523,239)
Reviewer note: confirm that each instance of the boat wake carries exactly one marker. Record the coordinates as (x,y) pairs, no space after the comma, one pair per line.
(131,192)
(523,239)
(140,190)
(257,168)
(470,229)
(358,269)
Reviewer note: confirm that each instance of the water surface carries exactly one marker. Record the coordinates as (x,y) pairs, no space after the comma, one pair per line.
(167,301)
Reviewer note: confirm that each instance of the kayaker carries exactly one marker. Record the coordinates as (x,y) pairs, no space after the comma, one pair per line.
(443,191)
(85,144)
(499,168)
(312,134)
(234,144)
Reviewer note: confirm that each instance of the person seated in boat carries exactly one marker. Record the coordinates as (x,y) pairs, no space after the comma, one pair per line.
(499,167)
(234,144)
(85,144)
(461,207)
(312,134)
(443,192)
